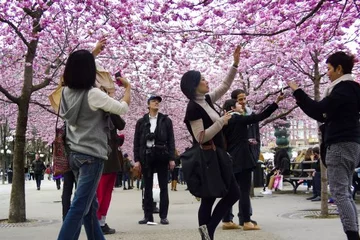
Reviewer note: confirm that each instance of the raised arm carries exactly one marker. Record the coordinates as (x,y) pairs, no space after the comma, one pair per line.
(100,100)
(254,118)
(225,85)
(136,145)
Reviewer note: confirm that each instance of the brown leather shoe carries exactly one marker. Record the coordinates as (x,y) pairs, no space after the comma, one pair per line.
(230,225)
(248,226)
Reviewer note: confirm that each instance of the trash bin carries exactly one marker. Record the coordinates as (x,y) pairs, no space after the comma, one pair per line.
(259,175)
(10,175)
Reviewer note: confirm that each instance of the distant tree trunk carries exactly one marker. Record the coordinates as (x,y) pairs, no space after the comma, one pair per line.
(324,181)
(3,159)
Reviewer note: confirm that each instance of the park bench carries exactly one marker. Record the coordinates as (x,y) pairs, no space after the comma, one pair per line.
(296,181)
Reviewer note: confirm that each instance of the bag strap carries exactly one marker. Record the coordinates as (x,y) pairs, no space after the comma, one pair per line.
(58,112)
(206,147)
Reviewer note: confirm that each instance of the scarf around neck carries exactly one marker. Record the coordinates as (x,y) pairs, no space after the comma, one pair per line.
(345,77)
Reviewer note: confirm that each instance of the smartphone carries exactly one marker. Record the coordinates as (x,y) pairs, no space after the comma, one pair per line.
(117,76)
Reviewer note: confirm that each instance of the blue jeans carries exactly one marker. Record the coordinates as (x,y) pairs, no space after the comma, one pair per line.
(87,171)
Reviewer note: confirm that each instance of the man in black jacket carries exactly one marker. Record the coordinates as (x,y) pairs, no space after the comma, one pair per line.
(39,168)
(339,111)
(253,133)
(154,151)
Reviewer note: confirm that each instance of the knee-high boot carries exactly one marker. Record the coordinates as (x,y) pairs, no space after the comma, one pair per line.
(175,183)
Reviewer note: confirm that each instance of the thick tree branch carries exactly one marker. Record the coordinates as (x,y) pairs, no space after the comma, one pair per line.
(46,107)
(357,7)
(39,86)
(9,95)
(301,69)
(212,33)
(269,95)
(337,22)
(47,80)
(261,83)
(20,35)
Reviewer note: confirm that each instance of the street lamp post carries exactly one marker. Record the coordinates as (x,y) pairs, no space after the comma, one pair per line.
(9,170)
(5,152)
(3,160)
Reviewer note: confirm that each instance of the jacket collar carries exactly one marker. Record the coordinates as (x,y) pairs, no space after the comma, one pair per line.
(160,116)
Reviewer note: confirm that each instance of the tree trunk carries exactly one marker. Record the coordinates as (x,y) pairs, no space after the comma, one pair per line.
(324,181)
(3,159)
(17,211)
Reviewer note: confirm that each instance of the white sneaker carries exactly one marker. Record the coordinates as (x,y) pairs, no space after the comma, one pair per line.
(151,223)
(266,192)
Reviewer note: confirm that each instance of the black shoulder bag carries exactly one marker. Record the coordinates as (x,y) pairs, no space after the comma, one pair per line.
(207,170)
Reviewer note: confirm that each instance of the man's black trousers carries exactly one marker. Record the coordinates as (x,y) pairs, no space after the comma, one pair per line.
(148,169)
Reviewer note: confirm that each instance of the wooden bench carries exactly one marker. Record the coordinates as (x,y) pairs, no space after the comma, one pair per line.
(303,162)
(304,170)
(296,181)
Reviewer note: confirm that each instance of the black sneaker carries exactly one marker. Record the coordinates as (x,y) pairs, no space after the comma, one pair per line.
(318,198)
(145,221)
(164,221)
(311,198)
(107,230)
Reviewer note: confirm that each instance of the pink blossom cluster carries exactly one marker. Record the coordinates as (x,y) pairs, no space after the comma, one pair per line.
(154,42)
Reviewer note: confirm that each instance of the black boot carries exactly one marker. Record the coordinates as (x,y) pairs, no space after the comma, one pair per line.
(107,230)
(352,235)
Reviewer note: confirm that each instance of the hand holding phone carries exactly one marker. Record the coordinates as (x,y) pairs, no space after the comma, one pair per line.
(117,79)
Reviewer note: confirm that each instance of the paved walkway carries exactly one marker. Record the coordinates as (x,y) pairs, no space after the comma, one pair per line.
(278,216)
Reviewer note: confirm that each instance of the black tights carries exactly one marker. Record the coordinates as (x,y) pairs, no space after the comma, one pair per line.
(68,185)
(212,219)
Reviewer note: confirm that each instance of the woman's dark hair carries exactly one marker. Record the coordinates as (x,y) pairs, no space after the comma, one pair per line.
(316,150)
(228,104)
(341,59)
(189,82)
(236,92)
(308,154)
(80,70)
(280,154)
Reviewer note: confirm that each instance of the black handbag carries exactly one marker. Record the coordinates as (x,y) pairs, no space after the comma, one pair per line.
(323,147)
(207,170)
(117,121)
